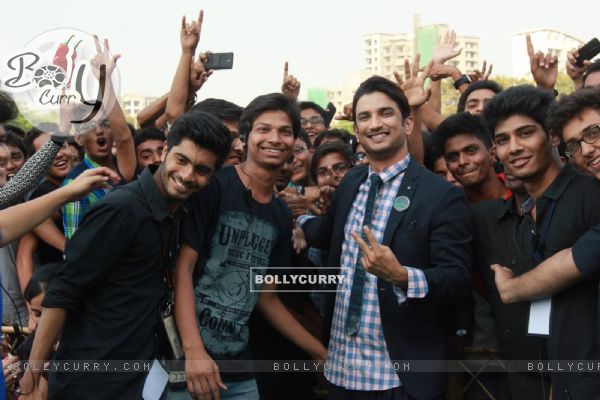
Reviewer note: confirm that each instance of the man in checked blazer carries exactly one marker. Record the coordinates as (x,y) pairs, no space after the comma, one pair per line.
(403,272)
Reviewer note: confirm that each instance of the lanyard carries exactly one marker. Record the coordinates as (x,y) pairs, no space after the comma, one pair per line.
(170,250)
(540,247)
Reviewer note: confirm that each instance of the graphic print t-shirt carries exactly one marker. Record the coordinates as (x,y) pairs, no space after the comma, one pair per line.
(236,238)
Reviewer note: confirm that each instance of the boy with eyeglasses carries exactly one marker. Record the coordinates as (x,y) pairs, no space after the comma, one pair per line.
(313,119)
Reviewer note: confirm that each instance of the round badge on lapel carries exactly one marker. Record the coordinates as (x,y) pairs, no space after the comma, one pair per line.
(401,203)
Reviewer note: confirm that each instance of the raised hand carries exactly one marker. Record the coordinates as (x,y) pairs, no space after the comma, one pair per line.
(198,74)
(103,57)
(379,260)
(446,49)
(440,71)
(190,33)
(347,113)
(412,84)
(544,67)
(290,86)
(89,180)
(575,72)
(481,75)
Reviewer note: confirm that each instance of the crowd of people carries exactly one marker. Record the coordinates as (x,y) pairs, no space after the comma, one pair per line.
(469,236)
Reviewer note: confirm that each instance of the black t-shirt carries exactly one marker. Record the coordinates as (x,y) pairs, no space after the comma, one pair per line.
(46,253)
(235,237)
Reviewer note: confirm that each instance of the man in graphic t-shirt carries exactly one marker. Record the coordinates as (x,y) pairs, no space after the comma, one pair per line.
(236,230)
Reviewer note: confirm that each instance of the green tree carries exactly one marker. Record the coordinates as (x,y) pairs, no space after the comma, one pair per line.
(450,96)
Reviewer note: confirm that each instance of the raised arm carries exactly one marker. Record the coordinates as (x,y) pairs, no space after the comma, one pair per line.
(413,87)
(150,114)
(576,73)
(290,86)
(544,67)
(30,174)
(126,159)
(178,96)
(20,219)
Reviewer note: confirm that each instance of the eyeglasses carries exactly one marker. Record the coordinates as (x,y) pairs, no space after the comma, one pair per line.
(337,169)
(298,149)
(590,136)
(314,120)
(83,128)
(358,157)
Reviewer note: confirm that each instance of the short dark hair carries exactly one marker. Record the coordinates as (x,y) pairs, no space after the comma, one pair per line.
(222,109)
(569,106)
(265,103)
(8,107)
(457,124)
(35,132)
(340,134)
(308,105)
(12,139)
(149,133)
(334,147)
(302,135)
(41,278)
(485,84)
(204,130)
(385,86)
(593,68)
(518,100)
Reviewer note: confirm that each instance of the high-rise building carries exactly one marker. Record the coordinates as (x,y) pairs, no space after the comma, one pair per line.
(546,40)
(384,53)
(132,104)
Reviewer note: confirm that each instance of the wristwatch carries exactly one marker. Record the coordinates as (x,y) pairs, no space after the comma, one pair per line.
(461,81)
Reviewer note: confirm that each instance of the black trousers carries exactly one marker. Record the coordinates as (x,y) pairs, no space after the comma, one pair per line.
(397,393)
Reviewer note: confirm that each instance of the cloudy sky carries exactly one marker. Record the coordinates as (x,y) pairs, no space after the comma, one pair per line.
(321,39)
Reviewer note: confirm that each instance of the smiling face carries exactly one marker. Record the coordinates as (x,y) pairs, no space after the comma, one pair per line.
(523,147)
(312,122)
(467,158)
(381,129)
(301,164)
(270,140)
(186,168)
(588,158)
(62,163)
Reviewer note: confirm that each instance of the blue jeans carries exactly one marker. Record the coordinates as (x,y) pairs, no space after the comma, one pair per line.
(242,390)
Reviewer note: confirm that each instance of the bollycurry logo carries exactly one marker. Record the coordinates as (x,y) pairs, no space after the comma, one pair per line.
(64,65)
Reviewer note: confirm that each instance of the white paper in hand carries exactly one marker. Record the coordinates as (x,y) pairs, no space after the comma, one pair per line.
(156,381)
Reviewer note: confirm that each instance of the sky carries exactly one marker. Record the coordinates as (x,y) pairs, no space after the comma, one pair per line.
(321,40)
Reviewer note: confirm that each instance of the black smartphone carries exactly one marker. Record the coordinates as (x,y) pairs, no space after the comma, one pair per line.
(219,61)
(588,51)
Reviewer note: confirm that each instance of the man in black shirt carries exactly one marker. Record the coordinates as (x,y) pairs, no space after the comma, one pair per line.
(564,205)
(106,298)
